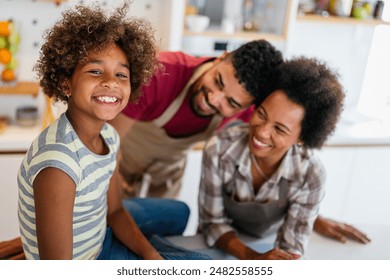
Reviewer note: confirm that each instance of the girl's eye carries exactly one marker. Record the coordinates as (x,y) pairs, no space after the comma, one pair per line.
(96,72)
(121,75)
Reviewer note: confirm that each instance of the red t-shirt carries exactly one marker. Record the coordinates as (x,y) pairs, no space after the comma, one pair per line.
(164,87)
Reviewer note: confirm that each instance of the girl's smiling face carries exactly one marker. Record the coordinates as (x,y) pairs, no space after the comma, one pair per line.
(275,126)
(100,88)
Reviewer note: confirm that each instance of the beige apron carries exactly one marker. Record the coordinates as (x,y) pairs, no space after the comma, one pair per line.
(150,155)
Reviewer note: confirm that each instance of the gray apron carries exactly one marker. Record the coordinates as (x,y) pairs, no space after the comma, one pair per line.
(149,152)
(255,218)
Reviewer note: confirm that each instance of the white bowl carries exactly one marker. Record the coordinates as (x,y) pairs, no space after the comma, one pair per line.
(197,23)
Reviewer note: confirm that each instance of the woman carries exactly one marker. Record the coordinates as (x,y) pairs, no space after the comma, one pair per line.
(265,174)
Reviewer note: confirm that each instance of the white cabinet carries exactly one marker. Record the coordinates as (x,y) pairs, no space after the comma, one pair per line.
(9,165)
(277,19)
(13,144)
(357,186)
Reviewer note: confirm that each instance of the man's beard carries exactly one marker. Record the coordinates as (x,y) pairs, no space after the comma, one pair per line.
(193,104)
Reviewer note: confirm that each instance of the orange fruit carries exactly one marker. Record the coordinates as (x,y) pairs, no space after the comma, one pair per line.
(5,56)
(8,75)
(5,28)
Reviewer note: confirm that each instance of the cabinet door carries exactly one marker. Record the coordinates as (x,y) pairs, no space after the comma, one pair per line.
(357,184)
(368,199)
(9,165)
(339,164)
(225,31)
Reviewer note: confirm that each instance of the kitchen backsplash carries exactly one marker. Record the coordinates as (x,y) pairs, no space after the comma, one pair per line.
(33,17)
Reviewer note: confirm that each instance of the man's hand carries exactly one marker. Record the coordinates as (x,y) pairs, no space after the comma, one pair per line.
(12,250)
(339,231)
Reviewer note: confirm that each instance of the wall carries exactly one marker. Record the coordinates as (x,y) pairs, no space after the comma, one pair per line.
(34,17)
(345,47)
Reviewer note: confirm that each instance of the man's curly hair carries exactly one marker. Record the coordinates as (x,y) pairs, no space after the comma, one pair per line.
(255,63)
(313,85)
(83,30)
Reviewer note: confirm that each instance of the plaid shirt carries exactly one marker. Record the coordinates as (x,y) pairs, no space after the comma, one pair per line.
(227,152)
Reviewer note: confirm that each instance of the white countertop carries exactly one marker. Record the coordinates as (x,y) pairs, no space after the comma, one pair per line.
(366,132)
(319,247)
(18,139)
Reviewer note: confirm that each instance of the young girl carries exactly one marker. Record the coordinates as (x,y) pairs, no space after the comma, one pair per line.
(93,62)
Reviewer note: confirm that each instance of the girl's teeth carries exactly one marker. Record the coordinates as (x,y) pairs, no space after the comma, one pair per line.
(107,99)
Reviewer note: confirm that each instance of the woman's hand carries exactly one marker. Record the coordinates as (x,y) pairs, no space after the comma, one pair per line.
(277,254)
(339,231)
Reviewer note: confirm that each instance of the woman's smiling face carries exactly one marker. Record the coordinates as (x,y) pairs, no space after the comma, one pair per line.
(275,126)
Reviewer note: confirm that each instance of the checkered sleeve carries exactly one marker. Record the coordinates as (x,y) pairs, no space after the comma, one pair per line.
(212,218)
(305,199)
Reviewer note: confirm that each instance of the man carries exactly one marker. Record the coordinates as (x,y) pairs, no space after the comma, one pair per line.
(185,103)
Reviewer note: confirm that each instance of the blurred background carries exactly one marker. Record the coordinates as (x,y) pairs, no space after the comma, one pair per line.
(353,37)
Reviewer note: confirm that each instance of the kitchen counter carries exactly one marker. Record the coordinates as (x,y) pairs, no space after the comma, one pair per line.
(319,247)
(18,139)
(366,132)
(363,133)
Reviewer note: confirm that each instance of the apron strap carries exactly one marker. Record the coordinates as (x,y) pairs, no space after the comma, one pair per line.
(283,192)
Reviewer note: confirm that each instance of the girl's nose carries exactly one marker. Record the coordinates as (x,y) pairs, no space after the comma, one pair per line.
(110,82)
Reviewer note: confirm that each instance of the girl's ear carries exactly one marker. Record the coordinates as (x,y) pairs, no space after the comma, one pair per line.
(65,88)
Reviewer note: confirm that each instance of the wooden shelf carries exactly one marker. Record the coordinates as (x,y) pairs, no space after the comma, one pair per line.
(343,20)
(215,31)
(244,35)
(57,2)
(26,88)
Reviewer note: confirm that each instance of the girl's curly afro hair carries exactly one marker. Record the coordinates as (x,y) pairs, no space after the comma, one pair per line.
(313,85)
(83,30)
